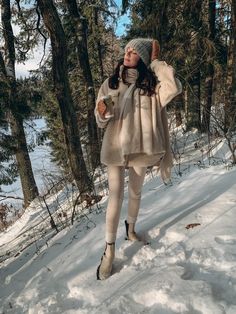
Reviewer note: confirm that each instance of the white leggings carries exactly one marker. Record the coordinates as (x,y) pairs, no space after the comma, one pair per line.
(116,176)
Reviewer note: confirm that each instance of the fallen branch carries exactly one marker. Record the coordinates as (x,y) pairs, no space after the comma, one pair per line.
(192,225)
(9,196)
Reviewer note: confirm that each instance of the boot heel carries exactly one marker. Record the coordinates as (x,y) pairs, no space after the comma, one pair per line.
(127,230)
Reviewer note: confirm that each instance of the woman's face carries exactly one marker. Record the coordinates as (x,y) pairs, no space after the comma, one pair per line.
(131,57)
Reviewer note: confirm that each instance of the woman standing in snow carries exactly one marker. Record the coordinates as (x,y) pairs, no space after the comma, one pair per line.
(136,133)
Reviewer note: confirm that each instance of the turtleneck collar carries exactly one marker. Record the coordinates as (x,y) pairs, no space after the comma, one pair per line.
(131,74)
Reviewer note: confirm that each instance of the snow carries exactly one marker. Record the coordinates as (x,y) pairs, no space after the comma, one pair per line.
(41,164)
(183,270)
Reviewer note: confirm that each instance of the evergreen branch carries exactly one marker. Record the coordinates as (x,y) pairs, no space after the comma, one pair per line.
(18,5)
(2,65)
(102,9)
(41,33)
(28,29)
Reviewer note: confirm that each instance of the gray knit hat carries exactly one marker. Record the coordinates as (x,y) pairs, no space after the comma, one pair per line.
(143,47)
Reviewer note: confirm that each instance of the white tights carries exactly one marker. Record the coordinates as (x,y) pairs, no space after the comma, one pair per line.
(116,176)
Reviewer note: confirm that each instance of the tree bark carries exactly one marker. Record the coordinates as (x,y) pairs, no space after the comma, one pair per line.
(179,104)
(230,101)
(194,81)
(234,55)
(29,188)
(63,94)
(80,27)
(98,43)
(193,102)
(210,69)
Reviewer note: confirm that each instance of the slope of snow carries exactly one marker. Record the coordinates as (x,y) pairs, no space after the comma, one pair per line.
(183,270)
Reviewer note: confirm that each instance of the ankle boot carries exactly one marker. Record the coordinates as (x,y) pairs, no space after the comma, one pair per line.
(105,267)
(130,233)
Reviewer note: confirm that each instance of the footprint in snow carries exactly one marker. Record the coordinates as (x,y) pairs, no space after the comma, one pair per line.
(225,239)
(190,271)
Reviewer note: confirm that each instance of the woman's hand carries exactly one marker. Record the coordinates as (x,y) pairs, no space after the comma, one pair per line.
(101,108)
(155,50)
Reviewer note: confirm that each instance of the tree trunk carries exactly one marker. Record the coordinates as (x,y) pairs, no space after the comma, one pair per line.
(29,187)
(179,104)
(63,94)
(230,101)
(179,100)
(81,38)
(193,102)
(98,43)
(234,53)
(30,190)
(210,69)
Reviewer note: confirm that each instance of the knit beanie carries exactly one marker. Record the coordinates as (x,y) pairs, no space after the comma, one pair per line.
(143,47)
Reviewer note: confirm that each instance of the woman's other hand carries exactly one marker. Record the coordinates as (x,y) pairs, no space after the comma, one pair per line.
(155,50)
(101,108)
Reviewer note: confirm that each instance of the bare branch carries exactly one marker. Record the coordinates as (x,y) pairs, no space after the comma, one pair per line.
(9,196)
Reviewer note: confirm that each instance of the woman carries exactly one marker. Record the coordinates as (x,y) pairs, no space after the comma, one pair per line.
(136,133)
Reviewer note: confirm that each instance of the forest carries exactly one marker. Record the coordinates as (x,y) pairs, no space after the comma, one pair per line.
(181,256)
(79,49)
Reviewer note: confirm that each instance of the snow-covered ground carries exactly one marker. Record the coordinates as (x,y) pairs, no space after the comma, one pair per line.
(182,270)
(41,163)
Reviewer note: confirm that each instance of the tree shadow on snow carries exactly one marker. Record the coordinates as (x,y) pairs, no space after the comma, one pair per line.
(200,198)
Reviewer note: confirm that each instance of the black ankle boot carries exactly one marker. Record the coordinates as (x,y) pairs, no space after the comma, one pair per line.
(132,236)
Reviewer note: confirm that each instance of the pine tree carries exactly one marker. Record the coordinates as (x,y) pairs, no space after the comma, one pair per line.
(7,173)
(79,31)
(16,109)
(63,93)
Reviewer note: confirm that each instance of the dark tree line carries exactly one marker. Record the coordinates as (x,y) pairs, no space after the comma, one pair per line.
(198,38)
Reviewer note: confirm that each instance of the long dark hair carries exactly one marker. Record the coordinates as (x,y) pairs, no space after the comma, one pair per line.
(146,80)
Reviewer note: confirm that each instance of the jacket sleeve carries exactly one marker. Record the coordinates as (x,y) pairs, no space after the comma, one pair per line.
(101,122)
(169,86)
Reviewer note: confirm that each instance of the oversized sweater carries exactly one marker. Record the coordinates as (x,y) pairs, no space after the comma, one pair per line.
(138,133)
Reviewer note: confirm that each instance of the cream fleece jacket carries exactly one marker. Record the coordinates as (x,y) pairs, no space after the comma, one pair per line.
(139,135)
